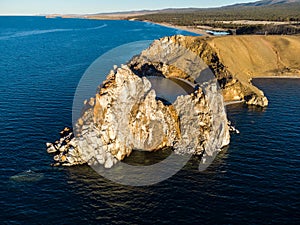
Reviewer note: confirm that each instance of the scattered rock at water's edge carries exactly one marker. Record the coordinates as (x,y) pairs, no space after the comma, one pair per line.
(65,149)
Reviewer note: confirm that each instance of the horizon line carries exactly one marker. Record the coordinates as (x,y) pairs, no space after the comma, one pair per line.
(110,12)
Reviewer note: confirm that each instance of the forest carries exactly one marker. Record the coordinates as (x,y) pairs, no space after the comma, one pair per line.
(213,17)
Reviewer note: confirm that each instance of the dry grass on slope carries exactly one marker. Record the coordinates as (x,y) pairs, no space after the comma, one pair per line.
(235,60)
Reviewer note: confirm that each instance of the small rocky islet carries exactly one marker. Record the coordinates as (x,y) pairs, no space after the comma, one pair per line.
(126,113)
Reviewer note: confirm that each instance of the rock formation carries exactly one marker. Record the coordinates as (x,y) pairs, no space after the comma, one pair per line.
(129,113)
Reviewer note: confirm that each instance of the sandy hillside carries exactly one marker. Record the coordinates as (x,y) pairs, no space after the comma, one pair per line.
(255,56)
(235,60)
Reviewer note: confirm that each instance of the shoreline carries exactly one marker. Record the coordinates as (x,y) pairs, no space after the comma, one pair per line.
(227,103)
(184,28)
(278,77)
(118,17)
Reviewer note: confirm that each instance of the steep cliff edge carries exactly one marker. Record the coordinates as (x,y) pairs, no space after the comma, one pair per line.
(235,60)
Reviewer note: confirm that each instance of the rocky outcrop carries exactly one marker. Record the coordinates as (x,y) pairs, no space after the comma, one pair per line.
(129,112)
(127,115)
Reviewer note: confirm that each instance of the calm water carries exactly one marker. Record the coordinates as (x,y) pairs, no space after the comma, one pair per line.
(256,180)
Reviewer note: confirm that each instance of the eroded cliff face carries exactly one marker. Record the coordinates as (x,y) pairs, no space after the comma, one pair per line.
(128,113)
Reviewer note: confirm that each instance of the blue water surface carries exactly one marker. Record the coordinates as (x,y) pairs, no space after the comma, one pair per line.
(256,180)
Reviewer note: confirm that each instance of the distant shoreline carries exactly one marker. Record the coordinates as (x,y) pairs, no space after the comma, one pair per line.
(200,31)
(206,30)
(184,28)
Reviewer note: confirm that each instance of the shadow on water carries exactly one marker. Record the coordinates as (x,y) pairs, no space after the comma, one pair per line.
(85,175)
(144,158)
(135,204)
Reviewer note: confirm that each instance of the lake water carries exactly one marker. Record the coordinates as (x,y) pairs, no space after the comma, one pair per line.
(256,180)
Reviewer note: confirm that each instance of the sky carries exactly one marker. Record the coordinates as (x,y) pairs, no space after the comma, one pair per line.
(34,7)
